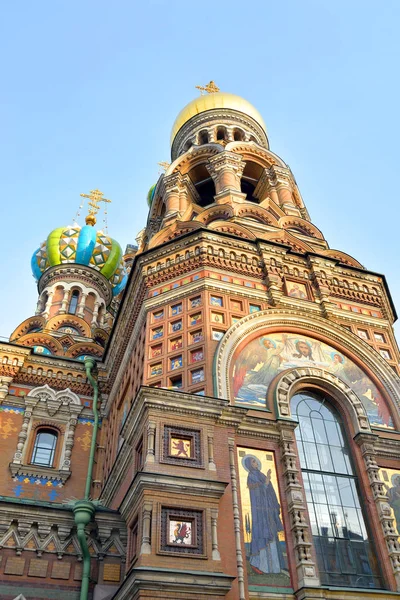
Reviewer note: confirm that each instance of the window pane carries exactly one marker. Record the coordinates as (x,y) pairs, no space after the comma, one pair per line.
(323,519)
(311,455)
(346,491)
(332,432)
(319,429)
(46,440)
(353,524)
(306,429)
(332,490)
(324,457)
(339,463)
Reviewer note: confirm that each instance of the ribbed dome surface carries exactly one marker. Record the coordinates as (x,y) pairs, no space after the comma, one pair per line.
(82,246)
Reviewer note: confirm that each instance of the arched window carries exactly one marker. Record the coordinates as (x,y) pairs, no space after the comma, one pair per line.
(343,550)
(73,303)
(238,135)
(203,137)
(44,448)
(221,133)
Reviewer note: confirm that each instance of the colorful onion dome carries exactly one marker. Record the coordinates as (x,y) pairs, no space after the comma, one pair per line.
(82,246)
(150,194)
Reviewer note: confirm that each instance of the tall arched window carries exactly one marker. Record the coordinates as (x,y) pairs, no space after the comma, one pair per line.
(340,536)
(73,303)
(44,448)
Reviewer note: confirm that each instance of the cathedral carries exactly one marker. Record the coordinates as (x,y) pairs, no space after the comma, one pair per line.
(213,413)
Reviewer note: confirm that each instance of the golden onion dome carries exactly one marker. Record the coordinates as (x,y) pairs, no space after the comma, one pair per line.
(215,100)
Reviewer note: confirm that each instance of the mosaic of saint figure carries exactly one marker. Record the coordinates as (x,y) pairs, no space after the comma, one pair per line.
(263,358)
(265,549)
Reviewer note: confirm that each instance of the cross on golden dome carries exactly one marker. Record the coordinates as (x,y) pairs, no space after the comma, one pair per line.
(95,197)
(210,88)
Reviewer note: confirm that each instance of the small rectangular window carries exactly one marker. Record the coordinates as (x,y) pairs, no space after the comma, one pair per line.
(139,455)
(133,540)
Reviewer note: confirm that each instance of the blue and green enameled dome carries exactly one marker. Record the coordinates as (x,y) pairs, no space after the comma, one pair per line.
(82,246)
(150,194)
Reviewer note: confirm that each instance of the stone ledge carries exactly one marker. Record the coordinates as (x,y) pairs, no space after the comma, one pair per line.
(171,484)
(173,581)
(37,471)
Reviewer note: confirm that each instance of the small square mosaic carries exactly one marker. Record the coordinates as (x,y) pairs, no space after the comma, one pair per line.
(182,446)
(181,531)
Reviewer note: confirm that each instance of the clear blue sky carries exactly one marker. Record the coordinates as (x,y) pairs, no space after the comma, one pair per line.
(90,89)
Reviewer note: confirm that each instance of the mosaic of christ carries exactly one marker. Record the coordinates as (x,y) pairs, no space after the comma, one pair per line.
(259,362)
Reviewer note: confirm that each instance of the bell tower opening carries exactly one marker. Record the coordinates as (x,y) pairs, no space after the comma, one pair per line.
(204,184)
(250,178)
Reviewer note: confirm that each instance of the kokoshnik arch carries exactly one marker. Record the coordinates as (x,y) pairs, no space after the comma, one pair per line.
(214,412)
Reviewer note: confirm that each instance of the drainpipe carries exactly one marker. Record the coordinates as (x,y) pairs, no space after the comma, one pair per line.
(84,509)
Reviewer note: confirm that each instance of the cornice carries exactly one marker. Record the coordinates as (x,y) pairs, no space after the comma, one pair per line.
(194,584)
(169,484)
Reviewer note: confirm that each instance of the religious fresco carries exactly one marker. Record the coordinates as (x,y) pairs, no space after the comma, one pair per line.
(391,481)
(262,526)
(296,290)
(263,358)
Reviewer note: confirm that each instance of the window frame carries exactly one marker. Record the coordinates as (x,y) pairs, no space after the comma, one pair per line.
(344,542)
(53,452)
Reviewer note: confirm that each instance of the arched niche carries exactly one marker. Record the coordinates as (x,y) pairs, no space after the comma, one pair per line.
(250,356)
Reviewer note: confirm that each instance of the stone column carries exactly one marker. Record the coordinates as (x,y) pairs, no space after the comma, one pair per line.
(305,566)
(366,442)
(151,438)
(64,303)
(283,186)
(214,535)
(4,385)
(48,304)
(236,520)
(39,306)
(210,444)
(172,185)
(81,306)
(95,313)
(145,547)
(70,436)
(23,434)
(226,169)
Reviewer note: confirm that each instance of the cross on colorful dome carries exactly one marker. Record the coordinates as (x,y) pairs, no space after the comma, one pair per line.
(83,246)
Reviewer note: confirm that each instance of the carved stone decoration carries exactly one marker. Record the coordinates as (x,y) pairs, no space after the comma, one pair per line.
(236,520)
(285,386)
(59,407)
(305,566)
(4,385)
(367,442)
(226,169)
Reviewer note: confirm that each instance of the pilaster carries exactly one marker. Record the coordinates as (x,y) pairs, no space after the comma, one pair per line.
(366,442)
(305,566)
